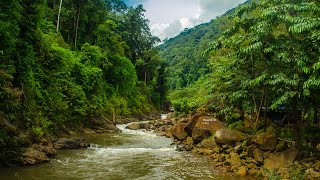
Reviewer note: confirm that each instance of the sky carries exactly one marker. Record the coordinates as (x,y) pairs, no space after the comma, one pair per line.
(169,17)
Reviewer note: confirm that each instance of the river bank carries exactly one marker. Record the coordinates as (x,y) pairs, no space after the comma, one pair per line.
(232,153)
(36,150)
(259,154)
(131,154)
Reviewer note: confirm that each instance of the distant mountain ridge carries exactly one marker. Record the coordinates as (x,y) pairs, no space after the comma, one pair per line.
(183,53)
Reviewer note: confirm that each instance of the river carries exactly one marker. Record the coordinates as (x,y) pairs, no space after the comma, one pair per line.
(132,155)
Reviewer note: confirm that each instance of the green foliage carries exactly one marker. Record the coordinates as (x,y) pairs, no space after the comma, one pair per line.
(260,42)
(273,175)
(37,132)
(236,124)
(191,98)
(264,57)
(87,69)
(286,133)
(122,75)
(311,133)
(296,173)
(183,54)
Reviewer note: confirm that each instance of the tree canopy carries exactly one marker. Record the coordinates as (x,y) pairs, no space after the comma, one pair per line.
(66,62)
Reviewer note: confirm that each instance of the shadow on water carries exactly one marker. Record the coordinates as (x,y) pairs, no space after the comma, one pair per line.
(137,155)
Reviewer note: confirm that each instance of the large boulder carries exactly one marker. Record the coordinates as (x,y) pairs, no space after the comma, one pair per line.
(33,156)
(134,126)
(229,136)
(209,143)
(281,159)
(266,141)
(139,125)
(71,143)
(178,131)
(205,127)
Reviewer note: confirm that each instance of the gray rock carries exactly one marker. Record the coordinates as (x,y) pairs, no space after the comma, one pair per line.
(71,143)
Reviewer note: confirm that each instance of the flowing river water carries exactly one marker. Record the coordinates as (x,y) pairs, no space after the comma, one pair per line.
(132,155)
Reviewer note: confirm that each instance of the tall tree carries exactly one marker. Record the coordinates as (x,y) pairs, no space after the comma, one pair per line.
(58,21)
(270,42)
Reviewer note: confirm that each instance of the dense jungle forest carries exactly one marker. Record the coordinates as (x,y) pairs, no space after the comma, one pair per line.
(256,60)
(67,64)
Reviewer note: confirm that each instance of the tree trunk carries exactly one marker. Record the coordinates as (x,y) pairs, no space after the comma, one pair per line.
(257,109)
(74,23)
(77,25)
(58,22)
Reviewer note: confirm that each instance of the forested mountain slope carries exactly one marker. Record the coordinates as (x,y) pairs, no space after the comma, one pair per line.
(263,57)
(184,56)
(188,67)
(183,53)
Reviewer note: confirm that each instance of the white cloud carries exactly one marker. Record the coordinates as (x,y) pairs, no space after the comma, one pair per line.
(157,29)
(172,30)
(169,17)
(185,22)
(210,9)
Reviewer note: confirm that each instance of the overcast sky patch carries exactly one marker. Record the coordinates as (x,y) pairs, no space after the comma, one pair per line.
(169,17)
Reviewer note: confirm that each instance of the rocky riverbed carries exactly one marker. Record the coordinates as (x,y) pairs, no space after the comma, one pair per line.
(237,151)
(130,154)
(47,147)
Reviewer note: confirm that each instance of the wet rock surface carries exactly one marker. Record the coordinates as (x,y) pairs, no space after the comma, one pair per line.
(71,143)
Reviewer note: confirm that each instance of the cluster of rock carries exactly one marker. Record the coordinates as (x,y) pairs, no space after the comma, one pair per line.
(237,151)
(41,152)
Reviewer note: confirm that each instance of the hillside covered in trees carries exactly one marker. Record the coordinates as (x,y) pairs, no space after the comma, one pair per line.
(64,63)
(258,58)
